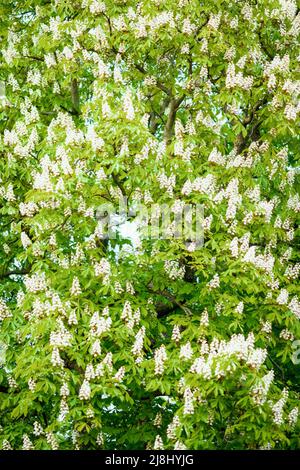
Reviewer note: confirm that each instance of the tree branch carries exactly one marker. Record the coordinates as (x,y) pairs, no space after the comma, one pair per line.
(167,295)
(252,133)
(75,97)
(159,84)
(174,105)
(15,272)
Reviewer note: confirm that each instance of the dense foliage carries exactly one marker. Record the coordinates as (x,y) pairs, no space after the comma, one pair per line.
(168,344)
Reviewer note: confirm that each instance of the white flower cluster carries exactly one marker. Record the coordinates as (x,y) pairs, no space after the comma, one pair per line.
(72,318)
(127,314)
(283,297)
(11,382)
(118,288)
(216,157)
(292,87)
(294,203)
(99,325)
(266,327)
(234,198)
(138,344)
(119,375)
(62,160)
(291,112)
(40,309)
(103,269)
(36,282)
(128,106)
(277,65)
(205,185)
(214,283)
(263,262)
(63,410)
(240,308)
(202,367)
(51,440)
(96,348)
(117,74)
(174,270)
(4,310)
(14,139)
(85,390)
(56,360)
(106,110)
(64,390)
(266,207)
(179,446)
(131,318)
(176,334)
(206,223)
(37,429)
(292,271)
(89,372)
(188,402)
(293,417)
(34,77)
(158,443)
(277,408)
(62,337)
(75,288)
(294,307)
(165,18)
(172,427)
(107,361)
(100,175)
(188,27)
(31,384)
(28,209)
(6,445)
(50,60)
(234,247)
(234,79)
(216,361)
(286,335)
(214,21)
(186,351)
(260,391)
(166,182)
(158,420)
(25,240)
(160,356)
(130,288)
(204,320)
(100,439)
(288,8)
(42,179)
(27,444)
(247,12)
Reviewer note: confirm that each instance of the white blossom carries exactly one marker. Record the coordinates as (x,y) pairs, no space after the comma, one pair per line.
(160,356)
(85,390)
